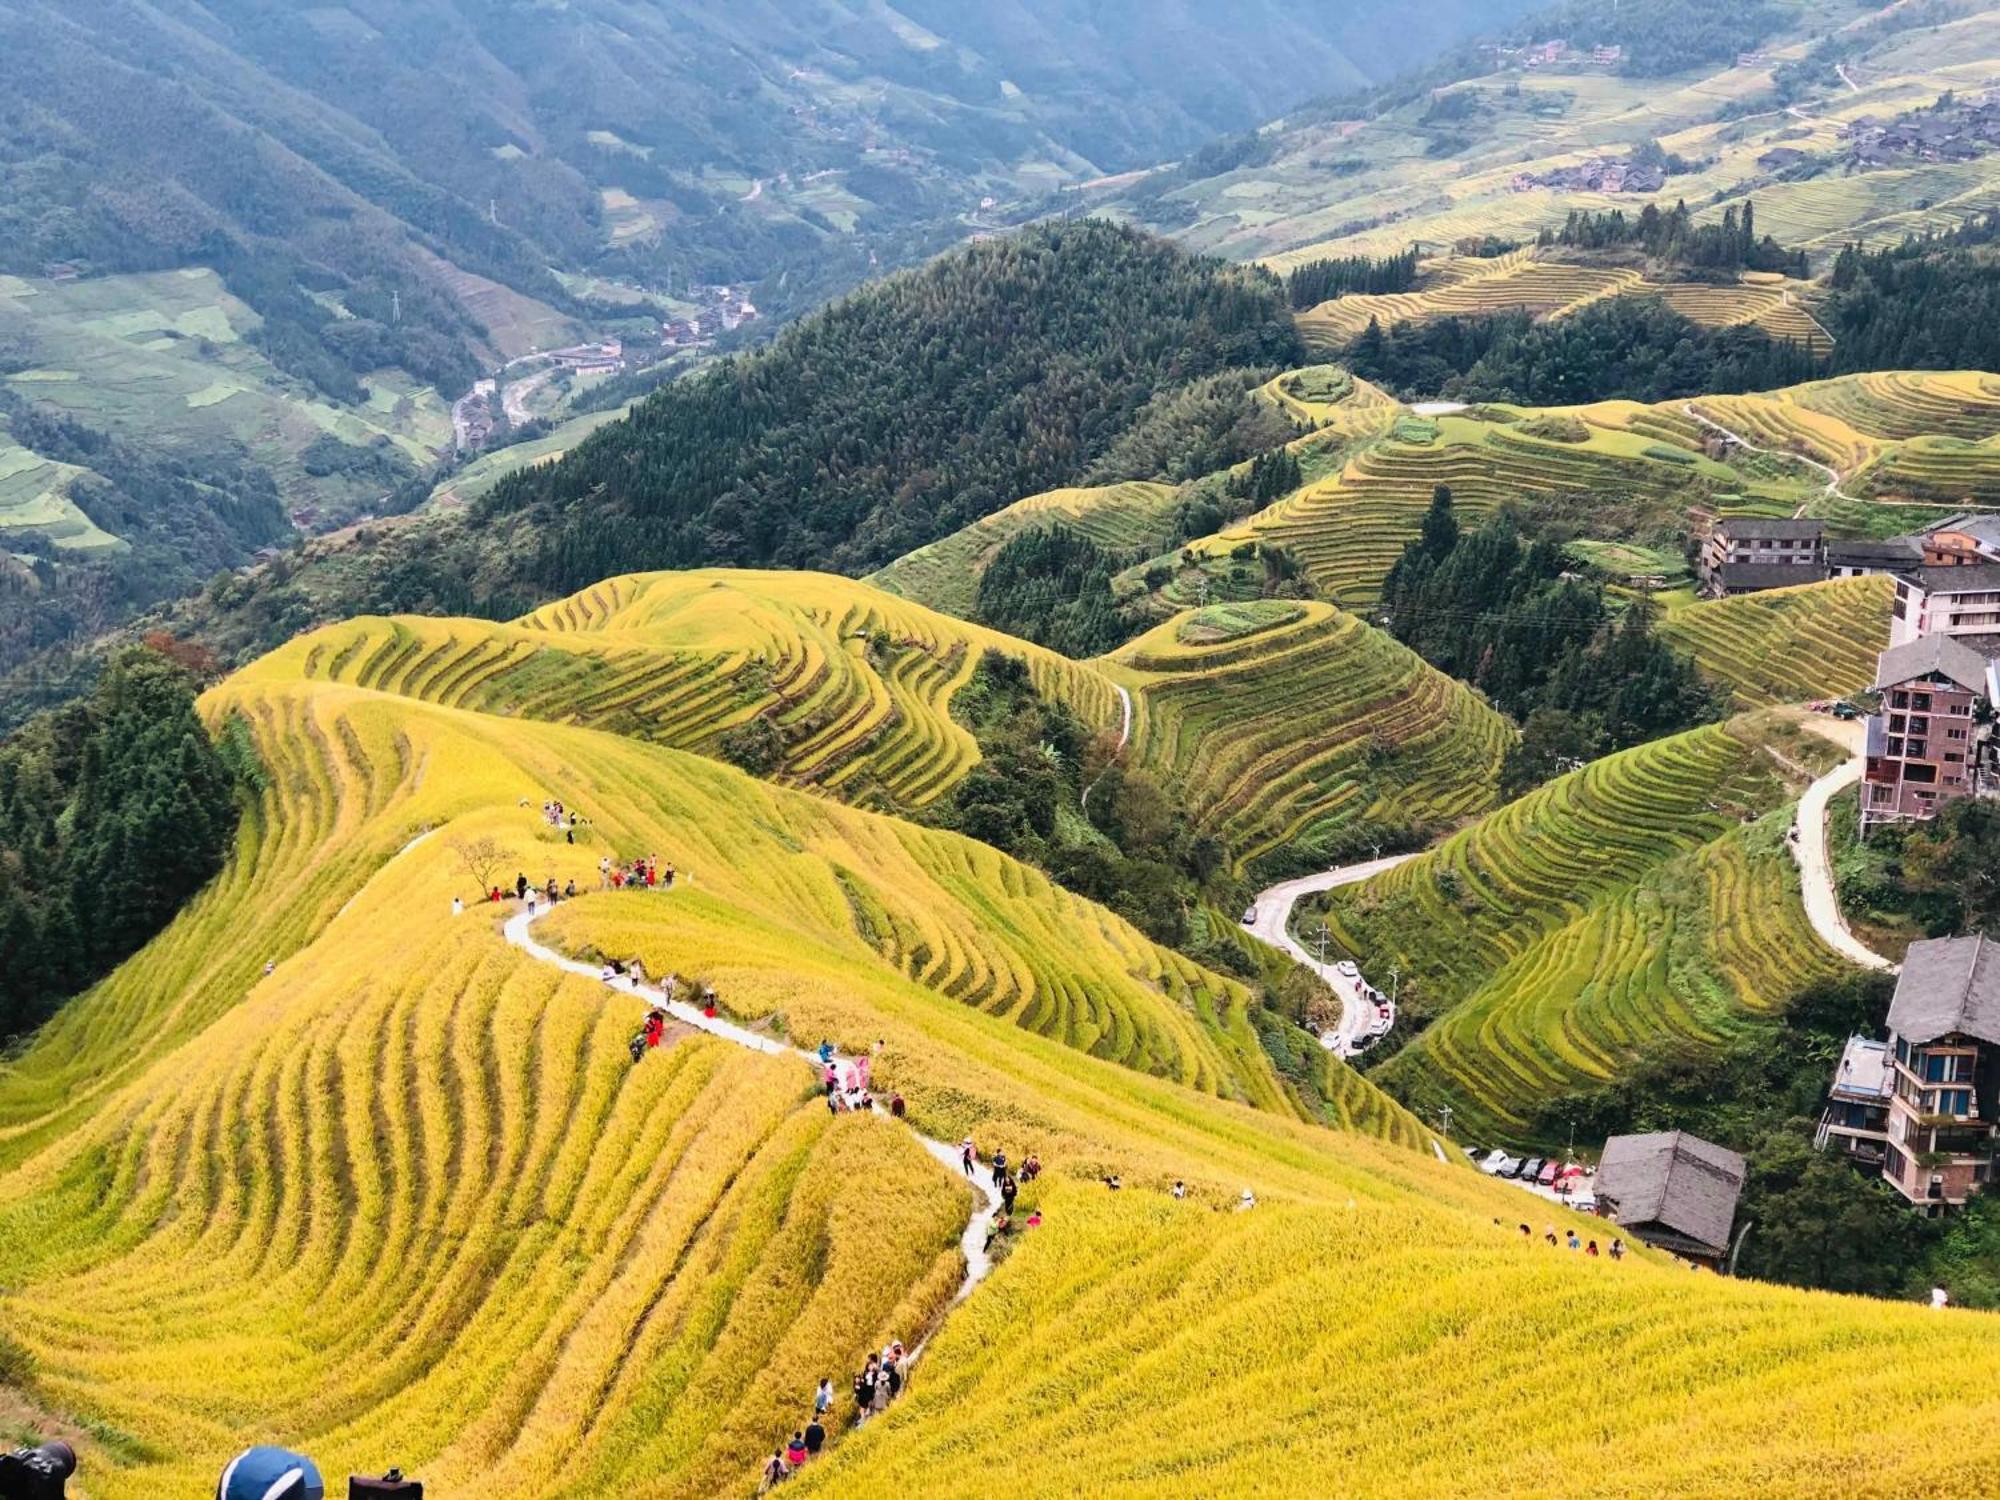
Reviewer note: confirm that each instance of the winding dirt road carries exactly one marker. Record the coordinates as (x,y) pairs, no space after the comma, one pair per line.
(1809,850)
(1273,926)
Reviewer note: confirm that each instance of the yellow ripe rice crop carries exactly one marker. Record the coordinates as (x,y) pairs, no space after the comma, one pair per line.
(1644,897)
(405,1198)
(1788,645)
(1280,722)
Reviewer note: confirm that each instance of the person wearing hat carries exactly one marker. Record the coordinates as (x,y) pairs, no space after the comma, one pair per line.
(265,1473)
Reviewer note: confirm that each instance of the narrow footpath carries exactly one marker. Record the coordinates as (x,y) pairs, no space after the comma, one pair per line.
(1273,926)
(978,1264)
(1124,738)
(1832,474)
(1808,846)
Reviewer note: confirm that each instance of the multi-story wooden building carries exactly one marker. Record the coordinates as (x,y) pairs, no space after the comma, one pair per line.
(1744,554)
(1944,1044)
(1856,1120)
(1924,744)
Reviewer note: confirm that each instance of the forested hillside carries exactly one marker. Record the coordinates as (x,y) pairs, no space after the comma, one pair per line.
(902,413)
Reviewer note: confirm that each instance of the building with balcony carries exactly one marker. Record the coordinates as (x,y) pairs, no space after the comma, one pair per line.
(1924,745)
(1856,1119)
(1944,1047)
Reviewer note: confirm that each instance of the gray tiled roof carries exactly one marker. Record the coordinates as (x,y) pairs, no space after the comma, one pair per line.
(1675,1180)
(1927,654)
(1948,985)
(1770,528)
(1967,578)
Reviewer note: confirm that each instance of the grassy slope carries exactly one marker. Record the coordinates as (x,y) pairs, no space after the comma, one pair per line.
(1646,896)
(577,1276)
(1402,181)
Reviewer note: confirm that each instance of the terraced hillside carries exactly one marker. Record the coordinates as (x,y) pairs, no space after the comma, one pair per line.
(1788,645)
(1484,158)
(1644,897)
(1303,728)
(944,575)
(1547,285)
(816,680)
(1284,725)
(1854,451)
(578,1276)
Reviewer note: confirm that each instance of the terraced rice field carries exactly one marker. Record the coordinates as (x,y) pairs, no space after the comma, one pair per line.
(406,1199)
(1637,900)
(1788,645)
(855,684)
(1528,281)
(1280,725)
(944,575)
(1348,528)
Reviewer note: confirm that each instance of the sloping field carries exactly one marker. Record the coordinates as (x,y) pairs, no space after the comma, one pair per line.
(1788,645)
(944,575)
(406,1199)
(853,685)
(1626,903)
(1913,438)
(1281,724)
(1545,286)
(1316,723)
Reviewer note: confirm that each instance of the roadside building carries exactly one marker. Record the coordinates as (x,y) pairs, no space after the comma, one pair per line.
(1924,743)
(1944,1039)
(1962,541)
(1672,1190)
(1746,553)
(1860,559)
(1959,599)
(1856,1119)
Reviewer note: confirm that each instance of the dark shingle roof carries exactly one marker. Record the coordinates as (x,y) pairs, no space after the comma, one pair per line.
(1947,985)
(1770,528)
(1678,1181)
(1971,578)
(1942,654)
(1897,552)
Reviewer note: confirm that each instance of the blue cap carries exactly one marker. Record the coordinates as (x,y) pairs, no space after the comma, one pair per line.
(263,1473)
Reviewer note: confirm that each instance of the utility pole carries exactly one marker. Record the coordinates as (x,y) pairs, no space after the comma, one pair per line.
(1444,1118)
(1395,987)
(1322,935)
(395,306)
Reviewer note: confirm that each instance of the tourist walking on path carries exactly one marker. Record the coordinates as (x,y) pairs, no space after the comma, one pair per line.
(823,1397)
(775,1472)
(815,1437)
(967,1157)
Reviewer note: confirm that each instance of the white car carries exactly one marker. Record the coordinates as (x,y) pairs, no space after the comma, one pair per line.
(1348,969)
(1250,916)
(1497,1162)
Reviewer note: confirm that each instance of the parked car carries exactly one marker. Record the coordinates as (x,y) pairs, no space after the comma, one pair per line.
(1584,1203)
(1547,1176)
(1498,1163)
(1532,1168)
(1249,916)
(1347,969)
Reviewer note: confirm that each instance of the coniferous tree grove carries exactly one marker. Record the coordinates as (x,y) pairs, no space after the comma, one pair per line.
(1318,281)
(1622,348)
(1493,608)
(1052,586)
(903,412)
(114,810)
(1927,304)
(1731,245)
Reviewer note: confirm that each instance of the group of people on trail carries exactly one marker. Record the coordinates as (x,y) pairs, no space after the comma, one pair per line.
(1576,1241)
(640,874)
(562,819)
(1009,1184)
(878,1383)
(850,1086)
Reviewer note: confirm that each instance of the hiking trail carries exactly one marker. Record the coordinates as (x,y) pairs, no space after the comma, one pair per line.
(972,1243)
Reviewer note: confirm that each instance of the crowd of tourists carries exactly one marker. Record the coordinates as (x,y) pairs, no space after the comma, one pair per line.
(1576,1241)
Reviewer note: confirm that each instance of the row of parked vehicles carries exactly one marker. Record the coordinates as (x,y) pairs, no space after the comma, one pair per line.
(1551,1172)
